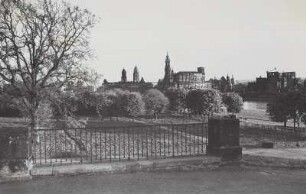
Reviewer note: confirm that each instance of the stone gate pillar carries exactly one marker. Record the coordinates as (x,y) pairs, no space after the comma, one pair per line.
(223,138)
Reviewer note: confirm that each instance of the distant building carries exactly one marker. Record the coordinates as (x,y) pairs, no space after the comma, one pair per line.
(224,84)
(275,82)
(183,79)
(78,87)
(190,79)
(124,84)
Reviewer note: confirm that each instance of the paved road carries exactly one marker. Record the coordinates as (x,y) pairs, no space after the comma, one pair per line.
(230,179)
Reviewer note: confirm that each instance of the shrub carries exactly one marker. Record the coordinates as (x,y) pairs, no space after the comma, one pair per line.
(155,101)
(177,99)
(121,103)
(134,104)
(233,102)
(204,102)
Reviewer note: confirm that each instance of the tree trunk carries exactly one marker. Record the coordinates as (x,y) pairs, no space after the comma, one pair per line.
(31,136)
(31,133)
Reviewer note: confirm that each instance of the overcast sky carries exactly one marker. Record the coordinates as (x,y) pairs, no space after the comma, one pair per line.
(244,38)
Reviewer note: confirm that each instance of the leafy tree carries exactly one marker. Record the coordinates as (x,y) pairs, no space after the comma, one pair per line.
(122,103)
(155,101)
(286,105)
(86,103)
(134,104)
(177,99)
(204,102)
(42,45)
(233,102)
(102,102)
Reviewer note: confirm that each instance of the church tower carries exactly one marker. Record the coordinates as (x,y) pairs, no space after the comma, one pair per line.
(136,75)
(123,76)
(167,77)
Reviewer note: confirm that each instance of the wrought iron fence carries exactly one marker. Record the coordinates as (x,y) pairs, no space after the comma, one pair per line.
(89,145)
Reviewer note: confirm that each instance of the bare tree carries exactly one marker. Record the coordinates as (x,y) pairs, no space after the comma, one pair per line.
(43,45)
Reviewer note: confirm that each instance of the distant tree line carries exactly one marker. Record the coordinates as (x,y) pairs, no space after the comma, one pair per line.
(121,103)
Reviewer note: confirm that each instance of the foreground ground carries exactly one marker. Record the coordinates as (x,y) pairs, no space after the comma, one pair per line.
(227,179)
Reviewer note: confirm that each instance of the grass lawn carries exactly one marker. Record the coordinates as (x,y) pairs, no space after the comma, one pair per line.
(261,117)
(9,123)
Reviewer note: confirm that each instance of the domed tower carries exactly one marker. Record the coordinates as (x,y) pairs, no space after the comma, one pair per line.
(136,75)
(123,76)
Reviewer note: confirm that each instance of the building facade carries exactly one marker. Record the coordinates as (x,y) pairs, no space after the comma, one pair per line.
(183,79)
(134,86)
(274,83)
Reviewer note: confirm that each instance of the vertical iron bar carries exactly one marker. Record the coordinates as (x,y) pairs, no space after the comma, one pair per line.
(90,145)
(128,134)
(194,138)
(160,151)
(114,133)
(133,140)
(105,144)
(86,144)
(119,140)
(168,139)
(124,131)
(55,145)
(173,141)
(50,146)
(177,140)
(198,143)
(190,139)
(137,141)
(110,145)
(202,134)
(147,146)
(40,151)
(45,140)
(155,131)
(75,149)
(71,151)
(100,138)
(151,140)
(96,147)
(61,149)
(181,131)
(142,132)
(81,157)
(186,148)
(164,142)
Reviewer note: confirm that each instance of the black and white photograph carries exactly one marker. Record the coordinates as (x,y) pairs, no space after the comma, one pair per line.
(152,96)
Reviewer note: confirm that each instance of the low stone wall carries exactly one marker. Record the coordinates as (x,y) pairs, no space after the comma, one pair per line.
(128,167)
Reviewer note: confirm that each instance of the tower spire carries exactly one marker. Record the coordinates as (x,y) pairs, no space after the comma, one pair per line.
(167,58)
(167,71)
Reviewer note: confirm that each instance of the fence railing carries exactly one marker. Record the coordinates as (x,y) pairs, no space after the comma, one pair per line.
(107,144)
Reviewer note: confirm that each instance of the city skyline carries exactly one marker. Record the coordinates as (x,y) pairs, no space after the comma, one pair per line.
(240,38)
